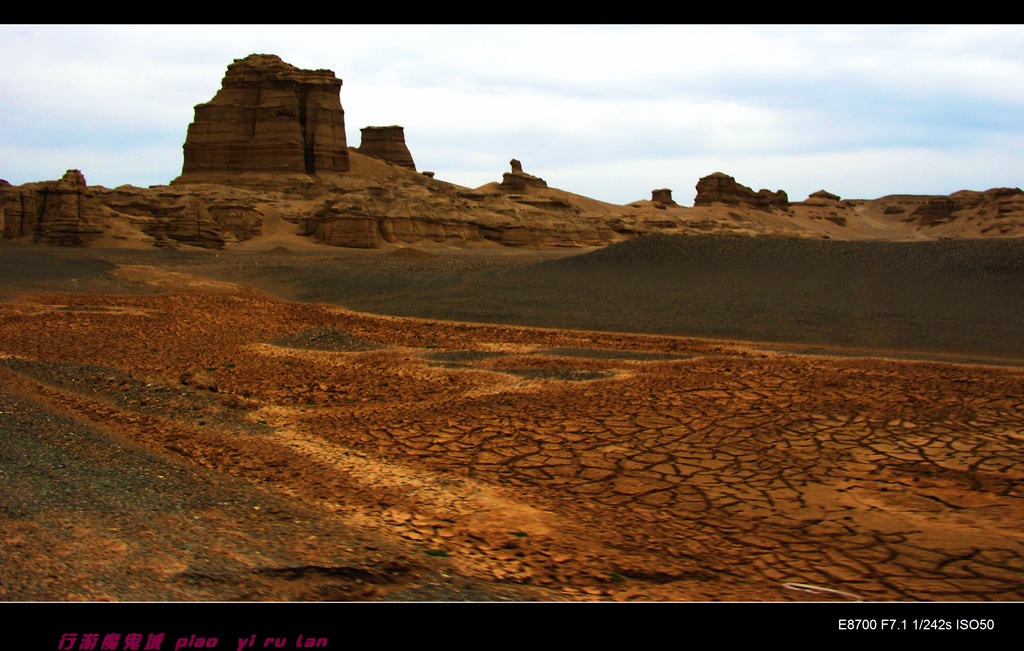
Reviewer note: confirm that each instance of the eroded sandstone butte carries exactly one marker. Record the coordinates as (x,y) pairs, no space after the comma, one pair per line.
(386,143)
(267,159)
(269,116)
(52,212)
(722,188)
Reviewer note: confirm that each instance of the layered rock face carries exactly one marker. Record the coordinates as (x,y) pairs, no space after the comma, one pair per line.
(185,222)
(170,218)
(269,116)
(722,188)
(378,205)
(388,144)
(9,196)
(1003,206)
(54,212)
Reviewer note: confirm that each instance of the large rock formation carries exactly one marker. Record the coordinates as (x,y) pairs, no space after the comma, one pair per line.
(662,196)
(269,116)
(386,143)
(378,205)
(722,188)
(518,181)
(53,212)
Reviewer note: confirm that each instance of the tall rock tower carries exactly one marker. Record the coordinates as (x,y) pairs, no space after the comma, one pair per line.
(386,143)
(269,116)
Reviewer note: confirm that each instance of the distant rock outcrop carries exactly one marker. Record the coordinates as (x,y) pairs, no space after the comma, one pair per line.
(207,216)
(186,222)
(267,157)
(822,194)
(386,143)
(269,116)
(171,217)
(9,194)
(662,196)
(517,180)
(722,188)
(53,212)
(997,205)
(828,206)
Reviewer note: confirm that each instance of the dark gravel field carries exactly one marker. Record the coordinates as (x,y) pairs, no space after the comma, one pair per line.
(954,297)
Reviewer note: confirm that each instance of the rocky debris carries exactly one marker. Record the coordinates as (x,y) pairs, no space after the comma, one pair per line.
(388,144)
(60,212)
(662,196)
(199,379)
(722,188)
(269,116)
(327,338)
(518,181)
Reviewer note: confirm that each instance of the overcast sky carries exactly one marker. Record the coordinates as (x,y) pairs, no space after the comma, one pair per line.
(610,112)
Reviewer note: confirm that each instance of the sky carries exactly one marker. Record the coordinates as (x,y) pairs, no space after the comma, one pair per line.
(609,112)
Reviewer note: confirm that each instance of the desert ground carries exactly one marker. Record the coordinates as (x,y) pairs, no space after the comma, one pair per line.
(668,418)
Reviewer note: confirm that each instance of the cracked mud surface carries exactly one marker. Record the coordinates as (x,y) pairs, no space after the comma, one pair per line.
(345,455)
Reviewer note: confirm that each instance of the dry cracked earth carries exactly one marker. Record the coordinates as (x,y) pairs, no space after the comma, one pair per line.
(206,441)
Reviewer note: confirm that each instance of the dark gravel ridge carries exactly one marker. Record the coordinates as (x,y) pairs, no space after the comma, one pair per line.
(953,296)
(963,297)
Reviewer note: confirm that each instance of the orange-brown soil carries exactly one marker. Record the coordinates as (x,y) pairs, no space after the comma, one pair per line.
(345,455)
